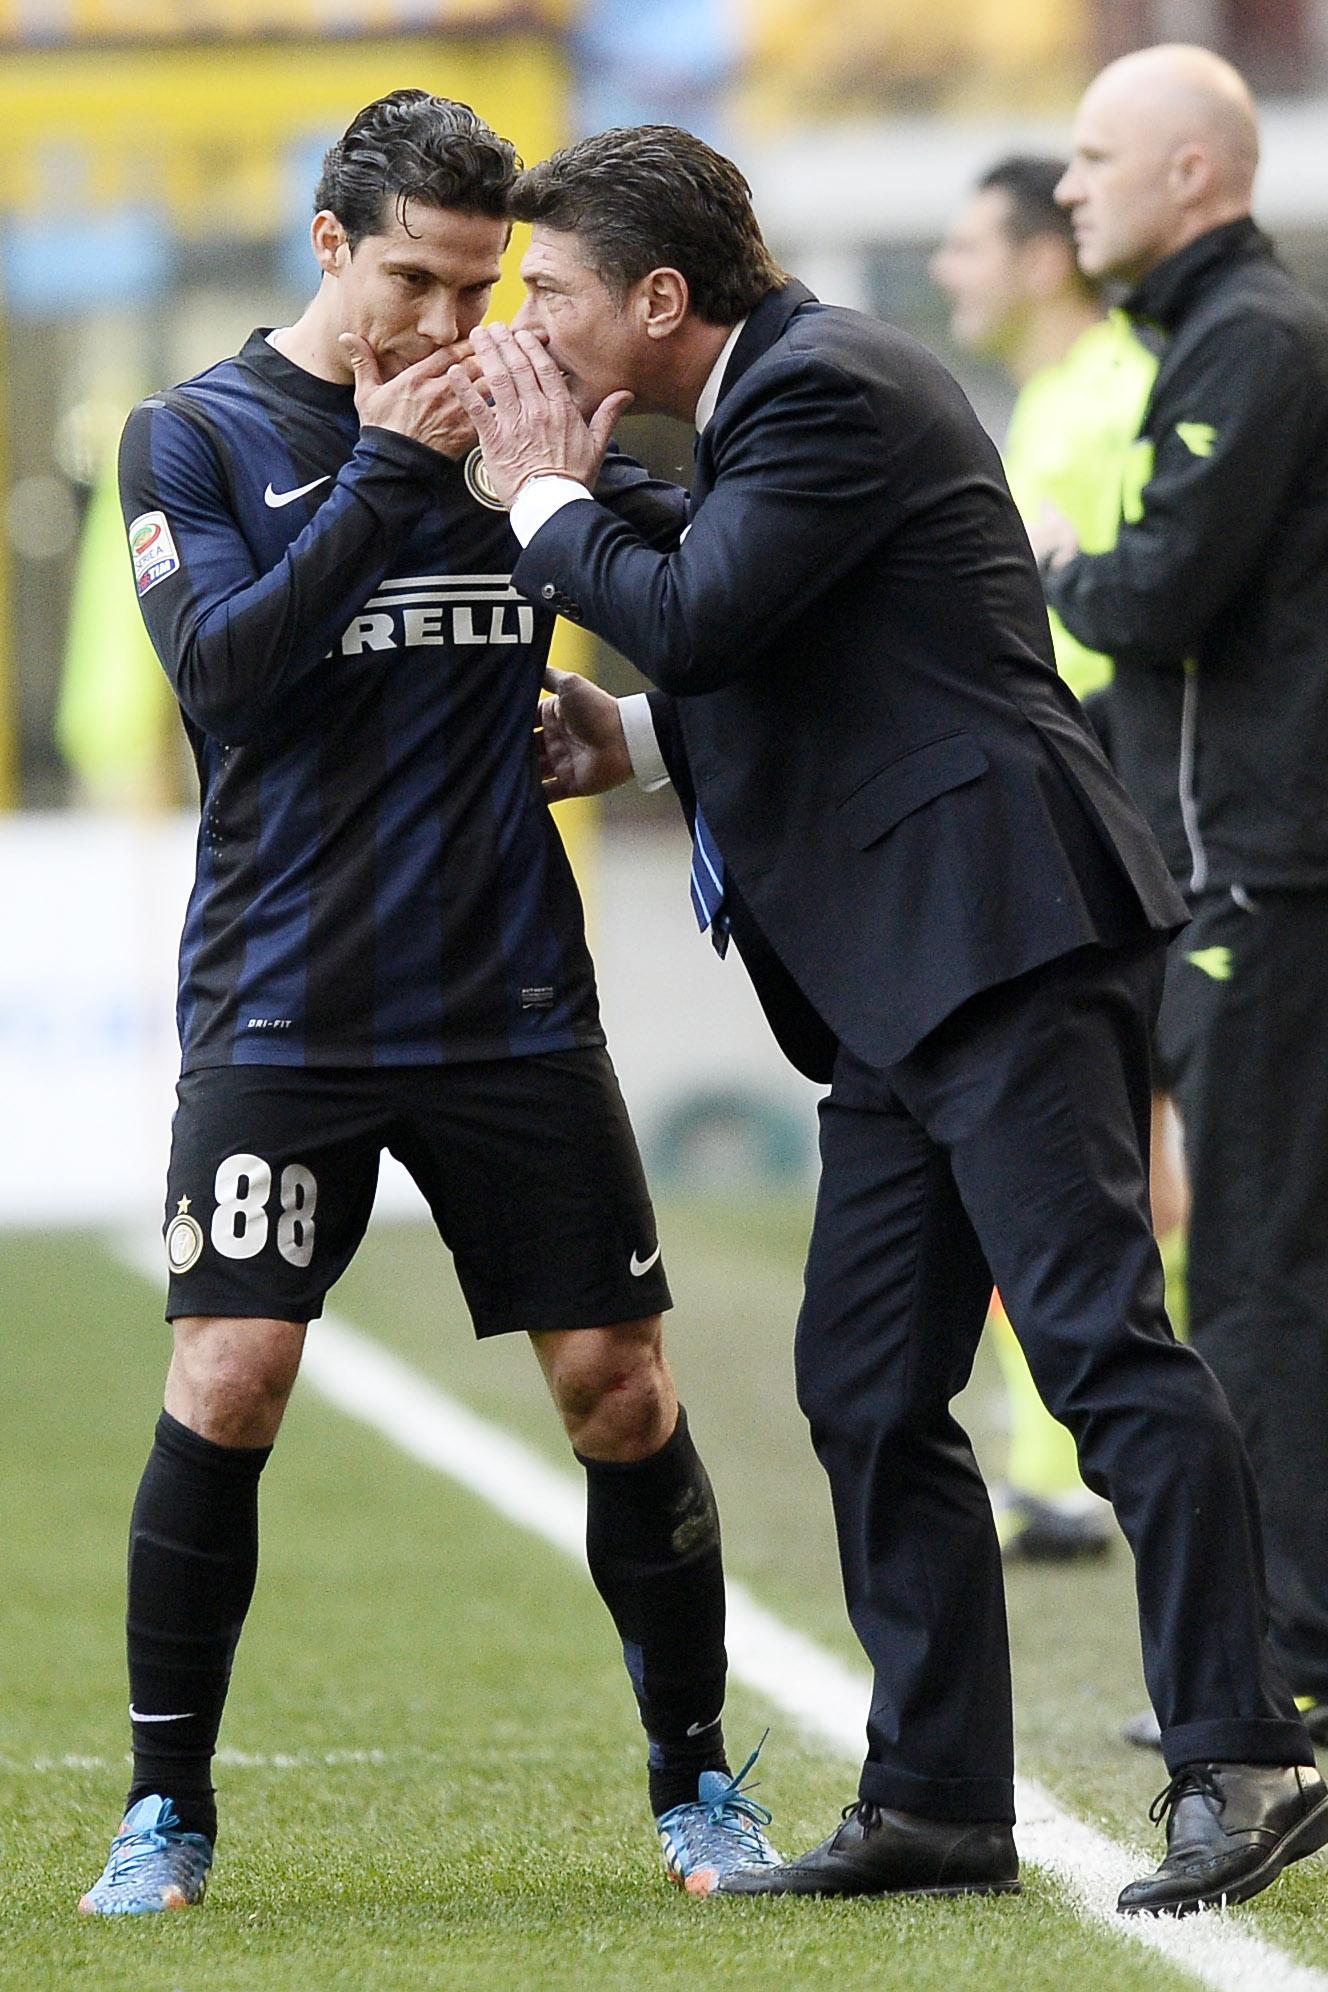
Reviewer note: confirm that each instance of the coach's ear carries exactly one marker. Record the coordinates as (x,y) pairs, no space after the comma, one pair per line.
(664,299)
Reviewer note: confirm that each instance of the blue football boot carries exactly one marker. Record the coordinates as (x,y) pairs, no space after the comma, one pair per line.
(152,1865)
(720,1831)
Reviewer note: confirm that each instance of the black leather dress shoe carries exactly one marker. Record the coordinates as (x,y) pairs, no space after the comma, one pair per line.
(878,1852)
(1231,1829)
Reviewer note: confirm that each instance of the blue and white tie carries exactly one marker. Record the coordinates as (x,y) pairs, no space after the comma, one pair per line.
(708,885)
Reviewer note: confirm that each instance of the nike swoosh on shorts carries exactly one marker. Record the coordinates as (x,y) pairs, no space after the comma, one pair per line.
(637,1267)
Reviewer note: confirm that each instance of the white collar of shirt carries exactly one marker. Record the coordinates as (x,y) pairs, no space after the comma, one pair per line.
(709,401)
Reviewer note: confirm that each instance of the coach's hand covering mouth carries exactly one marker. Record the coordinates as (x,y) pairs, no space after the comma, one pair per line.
(525,417)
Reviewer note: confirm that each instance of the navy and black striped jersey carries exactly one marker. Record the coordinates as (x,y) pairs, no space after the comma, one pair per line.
(379,880)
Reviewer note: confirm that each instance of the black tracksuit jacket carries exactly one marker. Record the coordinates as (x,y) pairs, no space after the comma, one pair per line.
(1214,602)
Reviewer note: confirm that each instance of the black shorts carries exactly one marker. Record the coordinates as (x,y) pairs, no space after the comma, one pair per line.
(529,1166)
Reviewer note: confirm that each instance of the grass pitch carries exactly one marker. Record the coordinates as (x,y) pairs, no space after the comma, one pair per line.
(433,1772)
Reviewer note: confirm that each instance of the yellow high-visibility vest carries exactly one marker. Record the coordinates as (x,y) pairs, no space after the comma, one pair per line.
(1072,440)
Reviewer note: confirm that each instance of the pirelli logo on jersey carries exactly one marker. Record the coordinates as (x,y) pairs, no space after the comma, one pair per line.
(454,610)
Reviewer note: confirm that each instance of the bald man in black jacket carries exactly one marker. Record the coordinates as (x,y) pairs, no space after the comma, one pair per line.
(1214,603)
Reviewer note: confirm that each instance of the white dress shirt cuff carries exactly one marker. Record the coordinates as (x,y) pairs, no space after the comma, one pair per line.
(537,501)
(638,727)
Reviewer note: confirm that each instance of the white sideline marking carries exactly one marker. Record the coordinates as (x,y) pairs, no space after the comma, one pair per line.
(826,1698)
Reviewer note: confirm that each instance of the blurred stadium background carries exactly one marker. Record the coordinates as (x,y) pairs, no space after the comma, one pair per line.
(156,158)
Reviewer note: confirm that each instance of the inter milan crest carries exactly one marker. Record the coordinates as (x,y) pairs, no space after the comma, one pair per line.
(478,484)
(184,1239)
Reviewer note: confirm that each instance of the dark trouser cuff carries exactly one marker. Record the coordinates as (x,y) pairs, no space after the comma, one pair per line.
(989,1801)
(1236,1742)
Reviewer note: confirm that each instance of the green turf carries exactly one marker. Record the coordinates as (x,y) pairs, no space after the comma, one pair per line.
(495,1834)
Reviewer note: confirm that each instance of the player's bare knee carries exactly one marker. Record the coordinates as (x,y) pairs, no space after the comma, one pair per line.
(613,1389)
(618,1416)
(230,1380)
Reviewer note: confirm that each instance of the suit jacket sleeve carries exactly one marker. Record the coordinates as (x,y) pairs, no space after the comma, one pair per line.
(654,509)
(804,486)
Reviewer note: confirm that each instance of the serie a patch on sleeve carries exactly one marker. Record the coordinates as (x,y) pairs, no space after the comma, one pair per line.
(153,549)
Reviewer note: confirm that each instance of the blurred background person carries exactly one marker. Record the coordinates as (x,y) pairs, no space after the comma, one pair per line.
(1018,298)
(116,723)
(1214,604)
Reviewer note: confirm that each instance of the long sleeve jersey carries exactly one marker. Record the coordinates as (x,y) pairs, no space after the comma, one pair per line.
(379,881)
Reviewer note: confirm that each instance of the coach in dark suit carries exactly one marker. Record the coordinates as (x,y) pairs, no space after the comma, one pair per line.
(952,913)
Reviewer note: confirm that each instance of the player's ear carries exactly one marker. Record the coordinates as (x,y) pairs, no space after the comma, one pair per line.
(331,245)
(664,301)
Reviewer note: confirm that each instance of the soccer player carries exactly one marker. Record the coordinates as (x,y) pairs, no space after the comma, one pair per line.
(384,949)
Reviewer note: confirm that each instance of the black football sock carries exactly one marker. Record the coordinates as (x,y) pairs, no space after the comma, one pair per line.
(193,1558)
(652,1541)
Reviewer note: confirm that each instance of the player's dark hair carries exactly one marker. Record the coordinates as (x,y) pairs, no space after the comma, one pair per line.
(409,146)
(650,197)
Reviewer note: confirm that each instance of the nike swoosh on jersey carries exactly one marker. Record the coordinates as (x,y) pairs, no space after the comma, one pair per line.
(639,1266)
(276,499)
(136,1715)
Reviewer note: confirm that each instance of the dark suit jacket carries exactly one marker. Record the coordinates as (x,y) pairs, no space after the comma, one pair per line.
(861,690)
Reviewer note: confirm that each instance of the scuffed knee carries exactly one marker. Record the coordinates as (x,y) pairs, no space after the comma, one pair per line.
(616,1402)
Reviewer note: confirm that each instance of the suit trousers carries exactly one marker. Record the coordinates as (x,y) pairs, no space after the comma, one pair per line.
(1009,1147)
